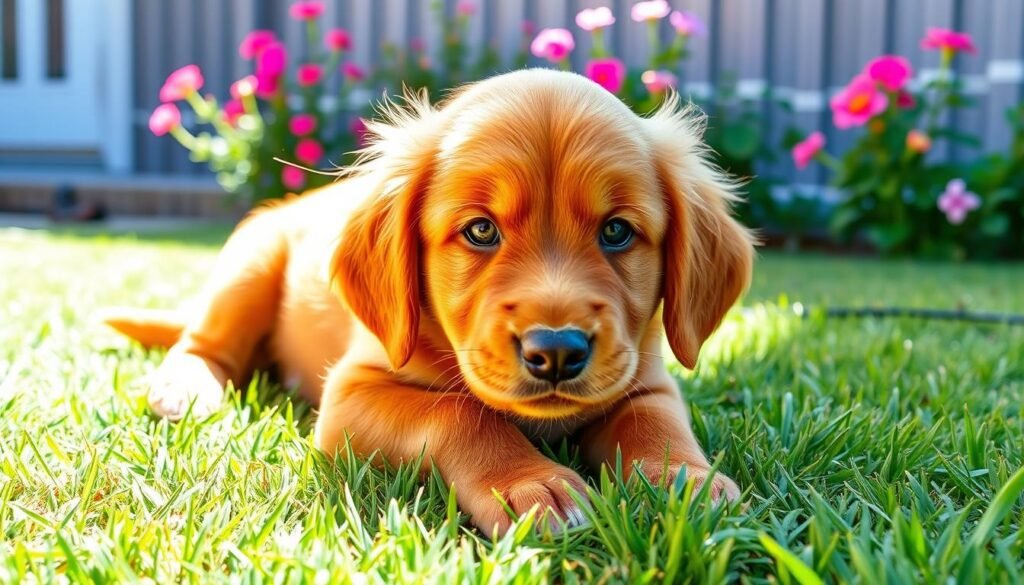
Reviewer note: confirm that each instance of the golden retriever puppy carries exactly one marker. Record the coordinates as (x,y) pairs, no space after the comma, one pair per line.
(495,271)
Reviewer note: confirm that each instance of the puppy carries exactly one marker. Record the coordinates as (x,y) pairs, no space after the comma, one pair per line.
(493,272)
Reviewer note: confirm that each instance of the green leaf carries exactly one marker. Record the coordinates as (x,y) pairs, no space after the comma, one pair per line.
(789,561)
(741,140)
(1000,507)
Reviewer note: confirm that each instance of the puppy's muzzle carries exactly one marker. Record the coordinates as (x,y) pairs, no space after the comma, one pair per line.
(555,355)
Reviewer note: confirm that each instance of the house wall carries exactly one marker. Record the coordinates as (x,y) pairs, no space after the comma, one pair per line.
(803,50)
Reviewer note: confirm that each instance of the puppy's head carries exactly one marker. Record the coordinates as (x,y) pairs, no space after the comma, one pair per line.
(542,225)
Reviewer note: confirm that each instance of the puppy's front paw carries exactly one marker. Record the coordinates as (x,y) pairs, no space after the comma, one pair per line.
(722,487)
(182,382)
(543,485)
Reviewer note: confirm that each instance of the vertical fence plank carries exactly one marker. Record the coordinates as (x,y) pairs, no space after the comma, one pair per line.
(1005,69)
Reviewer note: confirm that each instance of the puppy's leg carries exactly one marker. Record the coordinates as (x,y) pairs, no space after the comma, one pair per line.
(237,310)
(474,447)
(651,429)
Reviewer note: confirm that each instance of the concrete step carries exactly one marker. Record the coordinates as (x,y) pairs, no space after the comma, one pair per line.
(33,191)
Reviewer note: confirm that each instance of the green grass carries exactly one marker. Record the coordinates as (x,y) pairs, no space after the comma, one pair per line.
(870,450)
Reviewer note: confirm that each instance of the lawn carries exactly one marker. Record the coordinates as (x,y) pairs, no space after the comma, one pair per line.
(870,450)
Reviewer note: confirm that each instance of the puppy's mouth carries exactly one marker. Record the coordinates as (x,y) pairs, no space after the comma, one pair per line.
(544,401)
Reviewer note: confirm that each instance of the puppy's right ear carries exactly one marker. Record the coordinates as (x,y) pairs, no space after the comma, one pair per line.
(375,268)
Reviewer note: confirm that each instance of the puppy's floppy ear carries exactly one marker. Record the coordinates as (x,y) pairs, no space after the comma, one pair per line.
(708,254)
(375,268)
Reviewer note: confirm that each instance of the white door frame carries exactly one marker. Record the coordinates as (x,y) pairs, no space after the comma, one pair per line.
(90,106)
(116,112)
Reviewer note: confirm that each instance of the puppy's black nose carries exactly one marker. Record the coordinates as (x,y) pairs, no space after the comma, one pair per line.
(555,355)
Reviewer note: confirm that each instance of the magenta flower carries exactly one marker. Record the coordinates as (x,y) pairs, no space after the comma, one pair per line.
(591,19)
(353,72)
(309,74)
(949,41)
(267,86)
(272,60)
(309,151)
(608,72)
(306,10)
(358,128)
(181,84)
(302,124)
(658,82)
(244,87)
(857,103)
(254,43)
(338,39)
(165,118)
(956,201)
(892,71)
(293,178)
(652,10)
(465,8)
(528,28)
(233,110)
(417,44)
(905,99)
(687,23)
(553,44)
(808,148)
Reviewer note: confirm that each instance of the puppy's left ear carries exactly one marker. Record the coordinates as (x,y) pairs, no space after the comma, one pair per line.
(375,268)
(708,254)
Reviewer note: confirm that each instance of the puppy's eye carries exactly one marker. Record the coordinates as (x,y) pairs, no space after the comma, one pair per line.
(616,234)
(482,233)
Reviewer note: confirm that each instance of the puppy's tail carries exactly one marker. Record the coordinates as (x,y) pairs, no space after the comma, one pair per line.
(150,327)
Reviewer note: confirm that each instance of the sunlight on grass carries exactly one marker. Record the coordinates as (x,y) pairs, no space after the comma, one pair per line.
(869,450)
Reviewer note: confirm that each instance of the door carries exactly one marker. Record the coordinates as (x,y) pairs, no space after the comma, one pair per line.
(49,77)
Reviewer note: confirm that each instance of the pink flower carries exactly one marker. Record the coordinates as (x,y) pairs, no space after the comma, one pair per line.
(302,124)
(465,8)
(309,74)
(591,19)
(358,128)
(956,201)
(233,110)
(254,43)
(857,103)
(338,39)
(417,44)
(918,142)
(608,72)
(272,60)
(306,10)
(944,39)
(353,72)
(244,87)
(652,10)
(805,150)
(892,71)
(267,85)
(553,44)
(165,117)
(905,99)
(309,151)
(658,81)
(687,23)
(293,178)
(181,84)
(528,28)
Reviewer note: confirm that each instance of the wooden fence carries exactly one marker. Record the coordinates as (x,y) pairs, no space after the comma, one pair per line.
(801,50)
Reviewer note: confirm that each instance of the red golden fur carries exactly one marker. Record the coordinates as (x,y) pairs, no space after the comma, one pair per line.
(419,343)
